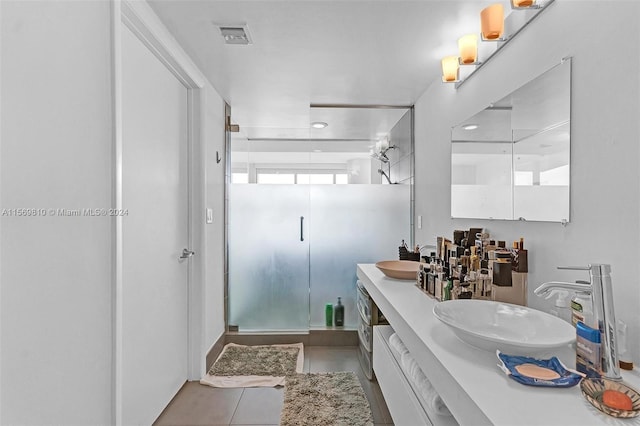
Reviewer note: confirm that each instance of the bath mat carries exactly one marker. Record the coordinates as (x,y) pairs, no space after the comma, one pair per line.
(325,399)
(241,366)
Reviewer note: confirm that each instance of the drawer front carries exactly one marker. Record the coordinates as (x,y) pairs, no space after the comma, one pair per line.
(365,361)
(365,333)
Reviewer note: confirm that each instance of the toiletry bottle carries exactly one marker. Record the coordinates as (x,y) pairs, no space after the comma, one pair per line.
(339,313)
(588,356)
(328,312)
(562,306)
(581,309)
(624,356)
(446,295)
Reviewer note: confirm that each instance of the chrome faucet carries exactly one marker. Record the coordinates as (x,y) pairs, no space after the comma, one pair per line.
(599,287)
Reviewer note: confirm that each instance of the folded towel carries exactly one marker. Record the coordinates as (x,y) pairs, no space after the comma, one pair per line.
(397,347)
(423,386)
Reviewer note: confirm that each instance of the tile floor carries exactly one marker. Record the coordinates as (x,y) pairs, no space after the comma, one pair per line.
(196,404)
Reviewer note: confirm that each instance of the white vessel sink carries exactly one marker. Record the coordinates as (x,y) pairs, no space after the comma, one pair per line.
(513,329)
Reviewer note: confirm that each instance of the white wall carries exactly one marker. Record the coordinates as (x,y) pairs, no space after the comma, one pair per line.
(603,38)
(56,149)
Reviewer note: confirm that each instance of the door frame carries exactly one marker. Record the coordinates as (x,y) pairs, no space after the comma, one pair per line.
(145,24)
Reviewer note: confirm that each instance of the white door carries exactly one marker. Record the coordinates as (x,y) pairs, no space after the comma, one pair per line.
(155,231)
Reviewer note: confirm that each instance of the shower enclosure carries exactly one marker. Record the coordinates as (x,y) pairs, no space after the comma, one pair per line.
(304,210)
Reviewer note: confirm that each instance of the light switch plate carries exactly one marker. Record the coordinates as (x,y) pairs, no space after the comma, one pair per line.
(209,215)
(419,221)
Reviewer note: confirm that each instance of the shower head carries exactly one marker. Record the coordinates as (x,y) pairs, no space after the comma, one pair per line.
(380,156)
(384,151)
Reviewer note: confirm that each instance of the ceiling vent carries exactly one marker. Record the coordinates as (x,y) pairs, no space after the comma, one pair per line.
(235,34)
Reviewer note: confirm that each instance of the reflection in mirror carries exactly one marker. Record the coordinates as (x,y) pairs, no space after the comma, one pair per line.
(481,184)
(359,146)
(511,160)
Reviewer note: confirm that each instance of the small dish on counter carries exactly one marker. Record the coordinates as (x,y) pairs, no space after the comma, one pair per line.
(594,390)
(538,372)
(399,269)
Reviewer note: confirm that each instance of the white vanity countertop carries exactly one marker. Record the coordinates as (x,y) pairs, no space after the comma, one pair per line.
(468,379)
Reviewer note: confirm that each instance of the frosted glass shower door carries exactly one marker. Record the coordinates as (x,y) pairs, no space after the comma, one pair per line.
(268,257)
(352,224)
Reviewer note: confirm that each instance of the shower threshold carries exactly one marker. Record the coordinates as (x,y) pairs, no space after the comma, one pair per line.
(324,336)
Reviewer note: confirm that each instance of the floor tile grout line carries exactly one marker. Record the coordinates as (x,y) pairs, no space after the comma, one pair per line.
(236,409)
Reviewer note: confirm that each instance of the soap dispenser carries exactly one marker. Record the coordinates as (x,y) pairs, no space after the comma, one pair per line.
(562,305)
(338,311)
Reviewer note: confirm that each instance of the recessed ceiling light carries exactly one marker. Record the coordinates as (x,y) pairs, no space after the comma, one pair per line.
(319,124)
(470,126)
(317,150)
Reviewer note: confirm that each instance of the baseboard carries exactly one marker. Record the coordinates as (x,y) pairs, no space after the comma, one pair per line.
(330,337)
(270,338)
(333,337)
(215,351)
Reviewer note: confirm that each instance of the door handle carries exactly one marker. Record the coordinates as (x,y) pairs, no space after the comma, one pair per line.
(301,228)
(186,254)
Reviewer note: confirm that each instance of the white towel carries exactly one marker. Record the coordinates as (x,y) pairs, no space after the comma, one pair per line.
(397,347)
(423,386)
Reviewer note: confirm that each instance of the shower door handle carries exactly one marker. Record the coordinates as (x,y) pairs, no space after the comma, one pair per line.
(301,228)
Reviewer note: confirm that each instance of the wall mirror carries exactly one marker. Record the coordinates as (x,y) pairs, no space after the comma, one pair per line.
(510,161)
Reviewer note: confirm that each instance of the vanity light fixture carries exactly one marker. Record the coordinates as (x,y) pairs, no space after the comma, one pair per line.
(470,126)
(319,124)
(524,4)
(492,22)
(468,49)
(450,69)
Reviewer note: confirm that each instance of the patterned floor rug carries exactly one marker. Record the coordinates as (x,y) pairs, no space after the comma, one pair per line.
(325,399)
(251,366)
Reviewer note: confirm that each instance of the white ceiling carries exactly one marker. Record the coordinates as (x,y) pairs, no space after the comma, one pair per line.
(319,51)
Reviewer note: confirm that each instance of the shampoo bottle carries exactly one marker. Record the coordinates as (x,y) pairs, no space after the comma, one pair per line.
(328,312)
(339,313)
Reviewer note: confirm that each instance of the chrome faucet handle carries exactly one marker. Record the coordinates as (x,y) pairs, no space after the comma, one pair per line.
(575,268)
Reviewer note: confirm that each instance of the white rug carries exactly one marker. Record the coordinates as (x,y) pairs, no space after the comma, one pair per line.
(240,366)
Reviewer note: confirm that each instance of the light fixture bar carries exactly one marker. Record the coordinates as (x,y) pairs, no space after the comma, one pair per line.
(363,106)
(540,8)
